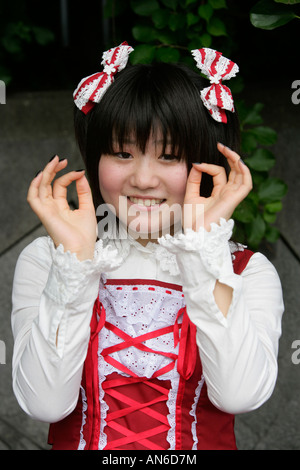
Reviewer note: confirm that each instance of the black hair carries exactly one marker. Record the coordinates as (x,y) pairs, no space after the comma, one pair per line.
(144,99)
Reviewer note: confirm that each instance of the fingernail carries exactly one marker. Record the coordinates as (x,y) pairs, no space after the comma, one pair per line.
(80,170)
(52,158)
(242,161)
(197,163)
(61,159)
(40,171)
(225,146)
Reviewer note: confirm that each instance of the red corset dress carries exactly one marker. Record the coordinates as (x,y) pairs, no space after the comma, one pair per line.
(142,385)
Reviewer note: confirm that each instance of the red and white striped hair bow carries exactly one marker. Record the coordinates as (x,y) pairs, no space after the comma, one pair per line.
(91,89)
(217,98)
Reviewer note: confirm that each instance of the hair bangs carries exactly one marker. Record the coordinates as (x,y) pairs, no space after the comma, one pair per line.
(142,106)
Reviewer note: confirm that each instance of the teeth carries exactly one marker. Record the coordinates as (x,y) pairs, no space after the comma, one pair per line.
(146,202)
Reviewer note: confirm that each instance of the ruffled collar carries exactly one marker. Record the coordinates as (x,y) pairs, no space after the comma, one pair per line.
(124,243)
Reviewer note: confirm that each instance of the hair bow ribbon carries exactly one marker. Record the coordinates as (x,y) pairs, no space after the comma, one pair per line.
(217,98)
(91,89)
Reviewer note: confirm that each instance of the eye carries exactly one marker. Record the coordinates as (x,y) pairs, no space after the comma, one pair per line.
(122,155)
(169,157)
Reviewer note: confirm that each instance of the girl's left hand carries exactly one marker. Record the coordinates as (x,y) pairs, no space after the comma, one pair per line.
(226,195)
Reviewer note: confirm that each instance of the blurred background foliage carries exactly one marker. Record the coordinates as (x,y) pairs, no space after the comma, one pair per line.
(52,45)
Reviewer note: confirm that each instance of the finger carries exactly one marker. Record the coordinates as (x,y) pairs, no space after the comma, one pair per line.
(218,174)
(85,198)
(51,169)
(247,178)
(33,191)
(60,185)
(240,173)
(232,156)
(193,182)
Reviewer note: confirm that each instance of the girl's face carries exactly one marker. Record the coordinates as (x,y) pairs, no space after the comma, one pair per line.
(146,190)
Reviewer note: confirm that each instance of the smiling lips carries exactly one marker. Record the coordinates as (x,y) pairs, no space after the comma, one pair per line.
(145,201)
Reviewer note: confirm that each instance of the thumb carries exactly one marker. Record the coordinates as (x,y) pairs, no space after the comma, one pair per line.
(193,183)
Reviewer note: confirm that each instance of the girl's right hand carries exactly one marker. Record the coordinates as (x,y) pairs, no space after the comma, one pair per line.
(74,229)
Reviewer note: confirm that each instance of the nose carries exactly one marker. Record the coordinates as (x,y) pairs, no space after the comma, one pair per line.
(145,174)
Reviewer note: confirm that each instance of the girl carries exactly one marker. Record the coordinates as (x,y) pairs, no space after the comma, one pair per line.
(154,335)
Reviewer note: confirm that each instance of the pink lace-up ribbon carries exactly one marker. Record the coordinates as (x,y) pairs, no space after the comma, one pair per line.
(91,89)
(217,98)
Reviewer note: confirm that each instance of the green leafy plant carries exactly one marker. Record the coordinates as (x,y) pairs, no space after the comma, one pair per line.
(270,14)
(256,215)
(167,30)
(15,36)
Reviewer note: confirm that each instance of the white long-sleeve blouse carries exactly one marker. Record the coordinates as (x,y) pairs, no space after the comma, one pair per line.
(54,294)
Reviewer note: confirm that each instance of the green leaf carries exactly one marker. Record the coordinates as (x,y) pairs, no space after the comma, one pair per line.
(217,4)
(253,117)
(12,44)
(216,27)
(144,8)
(167,54)
(261,160)
(288,2)
(271,190)
(272,234)
(191,19)
(160,18)
(170,3)
(273,207)
(264,135)
(142,54)
(255,231)
(269,218)
(144,33)
(245,211)
(267,15)
(248,142)
(205,40)
(189,2)
(205,11)
(43,36)
(166,37)
(176,21)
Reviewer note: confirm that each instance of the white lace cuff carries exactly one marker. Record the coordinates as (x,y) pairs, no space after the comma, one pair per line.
(69,276)
(212,247)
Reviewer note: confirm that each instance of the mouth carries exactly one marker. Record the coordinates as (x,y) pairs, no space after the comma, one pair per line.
(147,202)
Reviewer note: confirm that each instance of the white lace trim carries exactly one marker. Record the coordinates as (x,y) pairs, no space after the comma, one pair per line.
(213,100)
(212,246)
(166,260)
(82,442)
(114,60)
(70,274)
(193,412)
(137,310)
(103,405)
